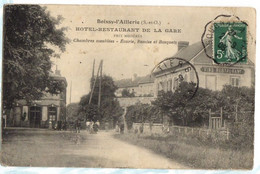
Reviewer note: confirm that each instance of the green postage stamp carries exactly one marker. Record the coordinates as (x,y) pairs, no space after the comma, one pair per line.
(230,42)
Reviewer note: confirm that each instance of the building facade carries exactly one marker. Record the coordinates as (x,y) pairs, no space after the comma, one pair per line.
(42,113)
(192,64)
(189,64)
(139,86)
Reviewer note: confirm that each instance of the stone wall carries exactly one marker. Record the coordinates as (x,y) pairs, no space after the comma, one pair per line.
(148,128)
(128,101)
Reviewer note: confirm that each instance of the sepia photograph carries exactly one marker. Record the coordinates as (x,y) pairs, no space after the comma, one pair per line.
(142,87)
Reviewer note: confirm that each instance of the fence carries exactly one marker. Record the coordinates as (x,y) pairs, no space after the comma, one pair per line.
(222,134)
(217,134)
(216,119)
(148,128)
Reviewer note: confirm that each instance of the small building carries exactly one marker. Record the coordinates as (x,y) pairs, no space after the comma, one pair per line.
(146,86)
(139,86)
(210,75)
(42,113)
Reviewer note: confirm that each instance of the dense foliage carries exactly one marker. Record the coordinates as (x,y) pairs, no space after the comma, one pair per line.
(237,105)
(141,113)
(127,93)
(239,110)
(109,110)
(72,112)
(29,34)
(187,111)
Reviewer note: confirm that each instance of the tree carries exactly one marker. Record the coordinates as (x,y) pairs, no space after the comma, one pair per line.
(125,93)
(88,111)
(109,110)
(29,34)
(108,88)
(72,111)
(184,105)
(234,101)
(141,113)
(241,98)
(239,105)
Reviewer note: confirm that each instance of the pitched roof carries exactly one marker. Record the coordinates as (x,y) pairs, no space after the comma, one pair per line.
(186,53)
(146,79)
(190,51)
(202,57)
(193,53)
(124,83)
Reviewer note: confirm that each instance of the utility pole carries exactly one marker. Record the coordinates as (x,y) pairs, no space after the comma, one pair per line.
(236,116)
(93,87)
(125,124)
(93,69)
(70,90)
(100,83)
(5,117)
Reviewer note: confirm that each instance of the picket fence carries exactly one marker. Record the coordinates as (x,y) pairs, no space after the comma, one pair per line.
(222,134)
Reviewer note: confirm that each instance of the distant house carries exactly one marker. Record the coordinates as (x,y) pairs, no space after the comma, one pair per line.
(42,113)
(139,86)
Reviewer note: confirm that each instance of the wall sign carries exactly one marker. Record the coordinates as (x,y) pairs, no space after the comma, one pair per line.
(222,70)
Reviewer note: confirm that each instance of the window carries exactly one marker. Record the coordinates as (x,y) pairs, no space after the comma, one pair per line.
(169,85)
(165,86)
(211,82)
(176,83)
(161,86)
(235,81)
(185,78)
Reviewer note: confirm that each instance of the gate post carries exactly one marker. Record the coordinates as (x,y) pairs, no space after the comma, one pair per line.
(221,116)
(210,121)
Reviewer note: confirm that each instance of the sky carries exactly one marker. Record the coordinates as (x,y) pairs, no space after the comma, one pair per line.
(122,60)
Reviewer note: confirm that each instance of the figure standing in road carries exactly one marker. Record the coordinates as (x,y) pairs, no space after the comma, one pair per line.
(91,127)
(78,126)
(95,128)
(88,125)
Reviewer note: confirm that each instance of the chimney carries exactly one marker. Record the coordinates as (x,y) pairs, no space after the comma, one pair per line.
(182,44)
(134,77)
(57,72)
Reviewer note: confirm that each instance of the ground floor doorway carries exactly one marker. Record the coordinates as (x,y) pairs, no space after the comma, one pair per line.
(52,116)
(35,116)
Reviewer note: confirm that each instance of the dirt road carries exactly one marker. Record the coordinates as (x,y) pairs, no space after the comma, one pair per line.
(41,147)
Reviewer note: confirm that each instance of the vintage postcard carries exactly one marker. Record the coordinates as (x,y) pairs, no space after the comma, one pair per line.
(128,87)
